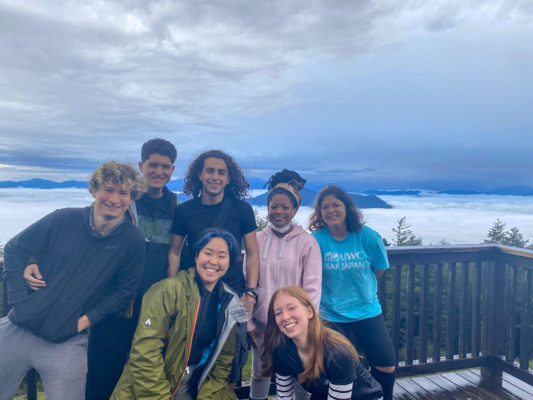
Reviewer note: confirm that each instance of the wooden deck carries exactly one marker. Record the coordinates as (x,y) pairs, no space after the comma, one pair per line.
(459,385)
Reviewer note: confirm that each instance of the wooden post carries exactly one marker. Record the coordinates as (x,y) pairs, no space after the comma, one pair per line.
(524,328)
(476,310)
(450,312)
(437,313)
(423,325)
(410,317)
(491,374)
(396,318)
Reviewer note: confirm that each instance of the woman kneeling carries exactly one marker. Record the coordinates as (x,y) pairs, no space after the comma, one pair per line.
(184,343)
(299,348)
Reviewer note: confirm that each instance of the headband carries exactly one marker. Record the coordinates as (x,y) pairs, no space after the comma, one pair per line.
(296,194)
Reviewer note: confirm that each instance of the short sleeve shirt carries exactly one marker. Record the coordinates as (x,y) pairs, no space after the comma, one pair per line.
(192,217)
(349,286)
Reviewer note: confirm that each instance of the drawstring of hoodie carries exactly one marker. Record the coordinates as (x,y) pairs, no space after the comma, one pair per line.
(280,254)
(281,248)
(267,246)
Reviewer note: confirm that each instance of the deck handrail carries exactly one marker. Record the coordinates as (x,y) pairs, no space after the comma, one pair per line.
(482,309)
(458,306)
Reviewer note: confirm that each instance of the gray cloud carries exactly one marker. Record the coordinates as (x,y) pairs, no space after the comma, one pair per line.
(82,83)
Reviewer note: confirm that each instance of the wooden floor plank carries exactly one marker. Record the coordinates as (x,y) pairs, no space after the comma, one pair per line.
(433,391)
(473,391)
(410,387)
(518,383)
(455,391)
(474,376)
(516,387)
(459,385)
(400,393)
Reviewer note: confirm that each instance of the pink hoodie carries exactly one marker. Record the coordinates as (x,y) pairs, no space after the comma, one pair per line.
(294,259)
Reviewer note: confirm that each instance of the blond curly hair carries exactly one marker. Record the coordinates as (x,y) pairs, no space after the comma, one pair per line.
(121,174)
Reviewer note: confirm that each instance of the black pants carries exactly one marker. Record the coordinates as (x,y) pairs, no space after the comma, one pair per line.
(371,337)
(109,347)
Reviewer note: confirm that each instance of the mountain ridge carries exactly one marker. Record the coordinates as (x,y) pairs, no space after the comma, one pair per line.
(177,185)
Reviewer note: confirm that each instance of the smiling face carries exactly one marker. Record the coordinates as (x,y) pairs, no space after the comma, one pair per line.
(111,201)
(157,170)
(292,317)
(333,211)
(214,177)
(281,210)
(212,262)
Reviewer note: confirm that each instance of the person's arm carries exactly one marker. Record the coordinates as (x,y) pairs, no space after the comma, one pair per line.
(378,272)
(335,391)
(312,271)
(146,363)
(340,367)
(19,252)
(252,266)
(174,255)
(378,254)
(285,386)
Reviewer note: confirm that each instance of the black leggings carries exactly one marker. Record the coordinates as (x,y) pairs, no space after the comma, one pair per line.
(371,337)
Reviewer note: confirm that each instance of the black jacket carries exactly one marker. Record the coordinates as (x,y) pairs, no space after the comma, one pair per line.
(85,272)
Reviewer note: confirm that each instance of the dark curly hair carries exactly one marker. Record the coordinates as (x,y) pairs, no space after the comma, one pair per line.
(354,218)
(292,178)
(237,187)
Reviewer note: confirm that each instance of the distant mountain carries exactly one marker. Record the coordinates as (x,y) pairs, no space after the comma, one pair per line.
(519,190)
(394,192)
(308,199)
(43,184)
(369,196)
(309,196)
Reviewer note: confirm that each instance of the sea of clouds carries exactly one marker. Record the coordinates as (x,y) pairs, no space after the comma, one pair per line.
(459,219)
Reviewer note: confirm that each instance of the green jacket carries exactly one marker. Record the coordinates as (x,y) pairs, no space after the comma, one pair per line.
(161,346)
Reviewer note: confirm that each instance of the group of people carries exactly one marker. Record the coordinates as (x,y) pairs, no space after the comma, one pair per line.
(171,306)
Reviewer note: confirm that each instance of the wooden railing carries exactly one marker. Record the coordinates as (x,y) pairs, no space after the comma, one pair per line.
(454,307)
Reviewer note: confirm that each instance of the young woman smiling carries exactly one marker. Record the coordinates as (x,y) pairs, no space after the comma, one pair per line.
(288,255)
(353,256)
(299,348)
(185,340)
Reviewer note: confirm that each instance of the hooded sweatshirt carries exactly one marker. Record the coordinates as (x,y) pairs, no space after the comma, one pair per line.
(293,259)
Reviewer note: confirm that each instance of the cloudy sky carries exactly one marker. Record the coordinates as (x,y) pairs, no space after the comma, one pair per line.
(377,94)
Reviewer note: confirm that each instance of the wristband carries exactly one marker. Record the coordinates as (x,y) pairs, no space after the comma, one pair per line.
(252,292)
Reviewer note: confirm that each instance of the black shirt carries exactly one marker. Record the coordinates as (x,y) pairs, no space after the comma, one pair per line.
(341,370)
(192,217)
(206,322)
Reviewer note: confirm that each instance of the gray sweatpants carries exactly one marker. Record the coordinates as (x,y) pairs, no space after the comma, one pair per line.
(61,366)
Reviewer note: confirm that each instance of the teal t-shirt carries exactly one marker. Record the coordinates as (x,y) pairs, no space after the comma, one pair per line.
(349,286)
